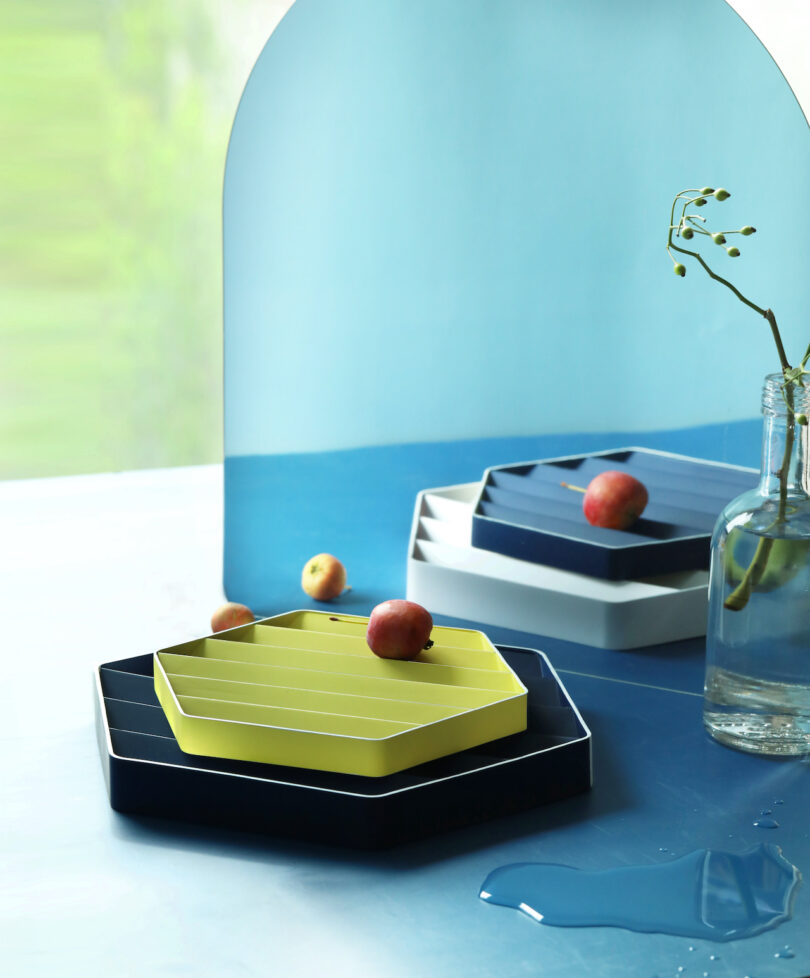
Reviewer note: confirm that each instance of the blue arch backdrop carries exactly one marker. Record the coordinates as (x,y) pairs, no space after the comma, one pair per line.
(445,220)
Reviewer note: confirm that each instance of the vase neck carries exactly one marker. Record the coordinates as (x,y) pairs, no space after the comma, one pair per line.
(785,451)
(785,454)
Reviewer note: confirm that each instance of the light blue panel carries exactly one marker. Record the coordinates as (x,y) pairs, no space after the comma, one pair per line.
(446,219)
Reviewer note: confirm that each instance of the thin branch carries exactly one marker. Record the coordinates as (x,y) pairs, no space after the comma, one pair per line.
(778,339)
(740,596)
(719,278)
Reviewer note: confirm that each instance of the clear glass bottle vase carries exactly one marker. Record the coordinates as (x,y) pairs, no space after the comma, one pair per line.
(757,691)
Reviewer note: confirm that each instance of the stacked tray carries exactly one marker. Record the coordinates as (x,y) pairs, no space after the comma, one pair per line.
(474,557)
(304,690)
(147,773)
(524,511)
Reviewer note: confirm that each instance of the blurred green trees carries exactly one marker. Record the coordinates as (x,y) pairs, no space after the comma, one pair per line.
(114,119)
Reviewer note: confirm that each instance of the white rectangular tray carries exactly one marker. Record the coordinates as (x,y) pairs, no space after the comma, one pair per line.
(449,576)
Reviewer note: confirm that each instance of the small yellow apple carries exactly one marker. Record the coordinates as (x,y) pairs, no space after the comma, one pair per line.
(323,577)
(230,615)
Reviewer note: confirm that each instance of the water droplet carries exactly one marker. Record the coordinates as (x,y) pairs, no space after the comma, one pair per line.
(720,896)
(766,822)
(663,849)
(691,947)
(714,957)
(681,969)
(786,952)
(779,801)
(766,811)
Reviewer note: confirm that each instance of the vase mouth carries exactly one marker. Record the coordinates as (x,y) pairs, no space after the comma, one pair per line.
(775,396)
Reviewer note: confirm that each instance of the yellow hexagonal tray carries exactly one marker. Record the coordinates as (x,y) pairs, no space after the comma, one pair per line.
(304,690)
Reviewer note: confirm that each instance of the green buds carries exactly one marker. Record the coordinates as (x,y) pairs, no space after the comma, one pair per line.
(719,238)
(800,418)
(687,233)
(679,269)
(700,202)
(733,252)
(748,230)
(721,194)
(707,190)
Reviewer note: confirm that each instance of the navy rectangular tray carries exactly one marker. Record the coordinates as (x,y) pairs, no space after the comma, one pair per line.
(147,773)
(523,511)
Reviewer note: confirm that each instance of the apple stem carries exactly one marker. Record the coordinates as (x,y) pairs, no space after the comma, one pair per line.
(568,485)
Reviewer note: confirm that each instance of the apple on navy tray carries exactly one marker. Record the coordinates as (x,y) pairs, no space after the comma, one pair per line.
(613,500)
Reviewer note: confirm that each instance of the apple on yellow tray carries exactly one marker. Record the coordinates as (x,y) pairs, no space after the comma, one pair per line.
(399,629)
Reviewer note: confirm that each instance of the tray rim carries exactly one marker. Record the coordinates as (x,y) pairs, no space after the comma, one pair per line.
(586,737)
(582,455)
(521,693)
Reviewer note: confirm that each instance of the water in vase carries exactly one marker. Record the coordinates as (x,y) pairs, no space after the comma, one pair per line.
(757,692)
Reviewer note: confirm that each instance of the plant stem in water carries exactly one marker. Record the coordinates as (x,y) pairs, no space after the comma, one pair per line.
(739,597)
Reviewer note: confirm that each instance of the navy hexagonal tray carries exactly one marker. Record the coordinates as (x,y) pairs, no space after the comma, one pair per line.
(523,511)
(148,774)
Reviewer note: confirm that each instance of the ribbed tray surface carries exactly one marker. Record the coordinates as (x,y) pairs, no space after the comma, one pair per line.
(304,689)
(523,511)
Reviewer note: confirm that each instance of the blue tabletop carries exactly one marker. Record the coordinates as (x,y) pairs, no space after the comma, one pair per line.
(662,788)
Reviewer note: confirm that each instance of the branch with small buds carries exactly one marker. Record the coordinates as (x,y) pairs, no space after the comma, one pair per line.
(688,226)
(691,224)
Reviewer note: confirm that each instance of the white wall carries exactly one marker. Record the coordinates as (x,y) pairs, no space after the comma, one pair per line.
(783,26)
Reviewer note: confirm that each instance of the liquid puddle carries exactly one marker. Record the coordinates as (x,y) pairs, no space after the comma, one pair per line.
(707,894)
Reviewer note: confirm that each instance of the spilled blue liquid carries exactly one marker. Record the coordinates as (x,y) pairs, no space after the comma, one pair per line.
(708,894)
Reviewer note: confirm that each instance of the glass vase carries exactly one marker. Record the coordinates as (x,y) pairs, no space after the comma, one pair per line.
(757,690)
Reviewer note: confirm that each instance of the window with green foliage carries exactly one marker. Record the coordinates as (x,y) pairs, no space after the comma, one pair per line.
(115,117)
